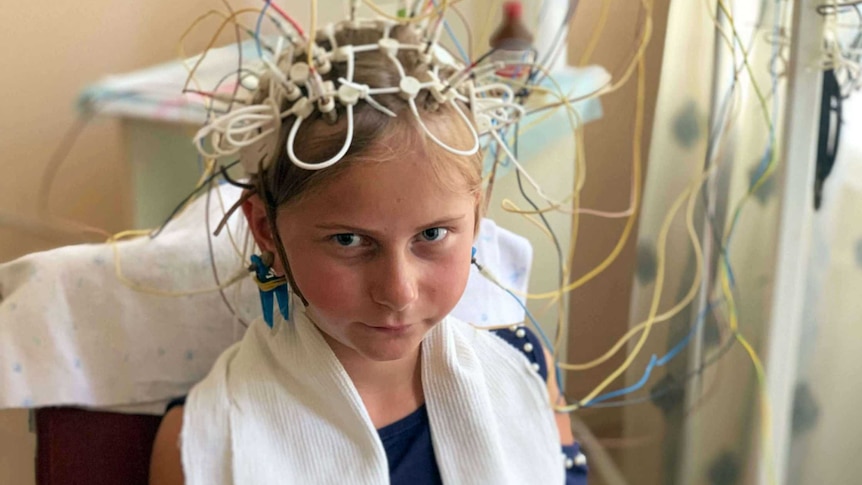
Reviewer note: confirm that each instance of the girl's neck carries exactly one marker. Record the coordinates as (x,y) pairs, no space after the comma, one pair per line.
(390,390)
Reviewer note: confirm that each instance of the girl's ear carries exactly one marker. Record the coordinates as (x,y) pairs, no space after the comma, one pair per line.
(258,222)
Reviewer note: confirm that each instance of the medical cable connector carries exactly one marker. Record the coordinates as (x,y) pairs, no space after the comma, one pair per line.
(251,128)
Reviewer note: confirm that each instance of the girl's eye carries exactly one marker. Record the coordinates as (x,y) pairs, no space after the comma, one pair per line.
(434,234)
(348,240)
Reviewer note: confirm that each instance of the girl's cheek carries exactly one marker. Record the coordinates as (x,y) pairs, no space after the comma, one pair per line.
(324,282)
(449,279)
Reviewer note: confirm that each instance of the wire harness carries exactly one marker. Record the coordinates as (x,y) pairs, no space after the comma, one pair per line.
(290,77)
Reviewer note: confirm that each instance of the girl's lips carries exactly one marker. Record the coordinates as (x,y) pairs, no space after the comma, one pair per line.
(390,330)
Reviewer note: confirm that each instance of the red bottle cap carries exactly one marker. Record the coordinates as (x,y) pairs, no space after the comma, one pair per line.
(513,10)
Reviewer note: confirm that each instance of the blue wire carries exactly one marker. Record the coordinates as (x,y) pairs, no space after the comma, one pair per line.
(457,44)
(544,337)
(547,342)
(454,39)
(634,387)
(257,28)
(655,362)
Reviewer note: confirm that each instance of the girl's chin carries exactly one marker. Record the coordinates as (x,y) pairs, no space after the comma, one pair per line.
(387,349)
(382,345)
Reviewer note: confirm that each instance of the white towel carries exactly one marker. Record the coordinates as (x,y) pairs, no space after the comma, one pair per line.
(278,407)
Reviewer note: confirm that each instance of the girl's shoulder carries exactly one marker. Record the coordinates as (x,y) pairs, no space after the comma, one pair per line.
(527,342)
(520,338)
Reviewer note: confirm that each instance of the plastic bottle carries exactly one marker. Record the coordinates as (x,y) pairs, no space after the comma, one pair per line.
(512,40)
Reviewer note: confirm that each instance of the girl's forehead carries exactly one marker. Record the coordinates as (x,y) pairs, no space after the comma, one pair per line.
(408,178)
(395,159)
(370,191)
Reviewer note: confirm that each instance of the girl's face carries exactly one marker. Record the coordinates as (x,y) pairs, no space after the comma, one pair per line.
(381,253)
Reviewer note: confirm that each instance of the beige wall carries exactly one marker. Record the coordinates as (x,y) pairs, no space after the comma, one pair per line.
(49,53)
(16,448)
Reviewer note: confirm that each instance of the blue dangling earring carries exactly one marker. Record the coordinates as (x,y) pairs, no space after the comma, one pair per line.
(269,285)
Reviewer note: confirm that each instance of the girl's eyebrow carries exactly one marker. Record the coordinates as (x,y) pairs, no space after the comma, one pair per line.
(444,221)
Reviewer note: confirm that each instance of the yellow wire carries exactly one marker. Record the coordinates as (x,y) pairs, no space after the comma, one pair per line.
(210,164)
(597,33)
(227,19)
(557,294)
(678,307)
(610,258)
(639,54)
(506,203)
(113,240)
(484,32)
(766,420)
(646,325)
(437,10)
(576,125)
(312,35)
(636,167)
(639,60)
(657,291)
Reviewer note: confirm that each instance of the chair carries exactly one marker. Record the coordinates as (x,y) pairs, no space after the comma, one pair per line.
(77,446)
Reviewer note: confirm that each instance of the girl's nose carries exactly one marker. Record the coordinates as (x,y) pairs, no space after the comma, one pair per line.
(395,285)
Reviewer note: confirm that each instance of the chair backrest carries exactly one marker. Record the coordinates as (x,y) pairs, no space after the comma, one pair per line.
(77,446)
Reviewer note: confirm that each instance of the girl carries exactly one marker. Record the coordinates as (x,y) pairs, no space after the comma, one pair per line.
(365,378)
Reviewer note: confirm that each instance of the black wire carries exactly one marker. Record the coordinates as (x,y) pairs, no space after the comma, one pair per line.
(223,170)
(224,173)
(829,136)
(547,226)
(482,58)
(193,193)
(536,208)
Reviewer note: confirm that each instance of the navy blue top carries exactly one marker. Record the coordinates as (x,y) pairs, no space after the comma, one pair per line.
(407,441)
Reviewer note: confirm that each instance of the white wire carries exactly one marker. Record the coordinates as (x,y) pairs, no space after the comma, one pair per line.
(332,161)
(521,169)
(227,125)
(497,87)
(364,93)
(246,126)
(471,151)
(398,65)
